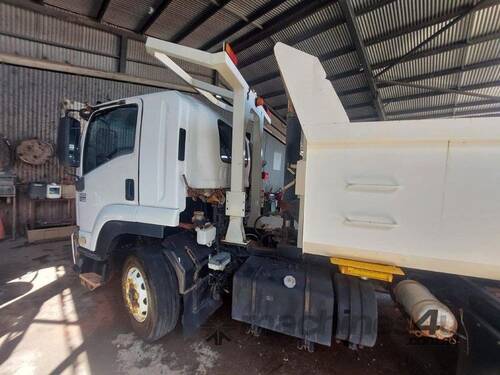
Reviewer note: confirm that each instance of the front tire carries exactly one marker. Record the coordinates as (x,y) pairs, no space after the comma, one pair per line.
(150,294)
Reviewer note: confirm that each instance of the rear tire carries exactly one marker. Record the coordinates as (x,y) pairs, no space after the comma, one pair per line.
(150,294)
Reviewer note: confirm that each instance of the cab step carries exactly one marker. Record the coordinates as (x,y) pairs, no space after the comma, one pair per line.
(91,280)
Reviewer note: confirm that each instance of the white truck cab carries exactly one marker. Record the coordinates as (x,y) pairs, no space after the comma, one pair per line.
(146,152)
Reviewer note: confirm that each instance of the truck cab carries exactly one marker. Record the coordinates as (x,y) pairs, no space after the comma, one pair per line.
(139,156)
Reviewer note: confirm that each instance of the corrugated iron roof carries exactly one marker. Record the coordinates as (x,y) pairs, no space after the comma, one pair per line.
(462,49)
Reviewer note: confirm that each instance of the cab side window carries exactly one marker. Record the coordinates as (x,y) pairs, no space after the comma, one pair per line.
(226,143)
(110,133)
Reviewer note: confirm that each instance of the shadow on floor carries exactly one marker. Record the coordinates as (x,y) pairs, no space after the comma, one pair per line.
(50,324)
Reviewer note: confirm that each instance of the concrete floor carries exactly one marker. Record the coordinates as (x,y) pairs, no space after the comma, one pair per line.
(49,324)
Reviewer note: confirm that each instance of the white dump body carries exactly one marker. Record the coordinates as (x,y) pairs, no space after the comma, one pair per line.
(418,194)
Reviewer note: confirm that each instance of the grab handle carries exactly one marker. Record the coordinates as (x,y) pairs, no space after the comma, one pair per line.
(372,187)
(373,223)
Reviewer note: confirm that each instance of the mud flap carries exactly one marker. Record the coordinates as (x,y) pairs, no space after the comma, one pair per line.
(199,305)
(190,262)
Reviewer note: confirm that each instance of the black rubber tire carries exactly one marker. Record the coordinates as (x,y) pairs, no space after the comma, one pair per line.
(163,294)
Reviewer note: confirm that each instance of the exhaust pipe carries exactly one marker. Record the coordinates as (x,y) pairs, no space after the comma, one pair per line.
(432,317)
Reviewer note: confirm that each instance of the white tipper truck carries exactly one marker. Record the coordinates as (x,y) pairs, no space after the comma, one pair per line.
(169,195)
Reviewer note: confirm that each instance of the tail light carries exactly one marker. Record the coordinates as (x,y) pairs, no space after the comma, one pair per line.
(231,53)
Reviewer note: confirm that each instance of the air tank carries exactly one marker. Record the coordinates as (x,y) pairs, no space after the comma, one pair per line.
(424,309)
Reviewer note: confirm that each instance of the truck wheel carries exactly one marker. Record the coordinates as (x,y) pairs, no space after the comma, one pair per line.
(150,293)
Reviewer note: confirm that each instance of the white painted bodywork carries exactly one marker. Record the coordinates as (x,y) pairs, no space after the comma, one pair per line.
(154,166)
(247,116)
(418,194)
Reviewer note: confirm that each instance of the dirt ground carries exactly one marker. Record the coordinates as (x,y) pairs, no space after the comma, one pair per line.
(50,324)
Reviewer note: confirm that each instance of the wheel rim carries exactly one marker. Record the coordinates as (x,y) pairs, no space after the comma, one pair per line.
(136,295)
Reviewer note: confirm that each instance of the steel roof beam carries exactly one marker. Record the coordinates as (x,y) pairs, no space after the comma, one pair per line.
(393,34)
(154,16)
(285,19)
(489,112)
(442,30)
(102,10)
(359,105)
(348,11)
(252,17)
(357,90)
(199,20)
(444,72)
(336,53)
(374,6)
(363,118)
(483,112)
(443,49)
(476,86)
(479,114)
(346,74)
(433,21)
(444,107)
(442,89)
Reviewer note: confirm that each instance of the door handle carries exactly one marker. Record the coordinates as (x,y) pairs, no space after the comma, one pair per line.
(129,189)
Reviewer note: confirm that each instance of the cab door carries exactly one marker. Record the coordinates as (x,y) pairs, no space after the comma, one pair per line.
(110,162)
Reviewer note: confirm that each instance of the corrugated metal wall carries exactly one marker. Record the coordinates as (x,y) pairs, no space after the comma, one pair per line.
(29,103)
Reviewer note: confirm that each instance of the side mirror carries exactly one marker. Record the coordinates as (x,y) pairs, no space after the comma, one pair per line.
(68,142)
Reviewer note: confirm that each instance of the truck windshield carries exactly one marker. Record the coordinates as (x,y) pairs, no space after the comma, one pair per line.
(110,133)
